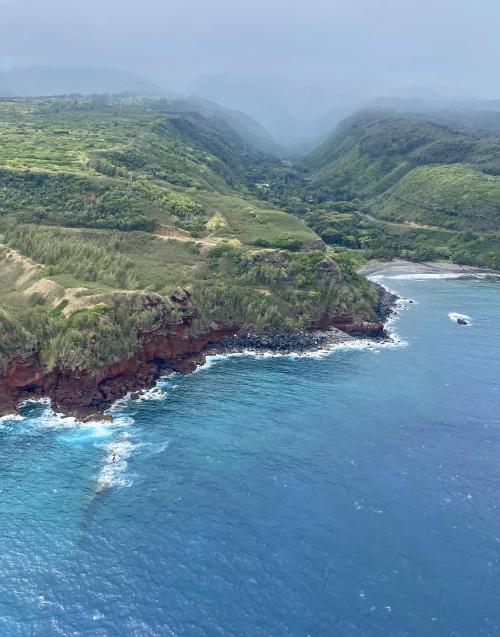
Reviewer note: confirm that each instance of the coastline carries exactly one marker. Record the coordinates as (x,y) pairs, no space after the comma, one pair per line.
(86,396)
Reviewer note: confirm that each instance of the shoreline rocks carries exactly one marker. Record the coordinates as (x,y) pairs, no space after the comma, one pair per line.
(386,302)
(280,341)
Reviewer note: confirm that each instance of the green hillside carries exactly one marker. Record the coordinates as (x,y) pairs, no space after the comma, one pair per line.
(393,185)
(406,168)
(444,195)
(105,202)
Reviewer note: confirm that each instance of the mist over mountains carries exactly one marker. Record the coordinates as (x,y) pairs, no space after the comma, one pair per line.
(33,81)
(272,113)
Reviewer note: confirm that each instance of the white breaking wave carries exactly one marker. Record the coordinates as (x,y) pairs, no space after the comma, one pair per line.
(115,465)
(49,419)
(125,403)
(155,393)
(11,417)
(454,316)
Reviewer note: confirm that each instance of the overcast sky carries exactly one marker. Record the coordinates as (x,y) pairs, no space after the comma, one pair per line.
(389,46)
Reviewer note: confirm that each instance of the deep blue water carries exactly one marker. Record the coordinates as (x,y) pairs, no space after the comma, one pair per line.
(354,494)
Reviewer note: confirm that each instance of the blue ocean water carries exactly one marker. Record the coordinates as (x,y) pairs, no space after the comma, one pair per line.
(350,494)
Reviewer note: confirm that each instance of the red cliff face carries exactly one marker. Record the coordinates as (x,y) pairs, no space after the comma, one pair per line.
(84,393)
(350,325)
(358,327)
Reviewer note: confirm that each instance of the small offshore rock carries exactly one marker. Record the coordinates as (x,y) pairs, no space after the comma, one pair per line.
(461,321)
(96,416)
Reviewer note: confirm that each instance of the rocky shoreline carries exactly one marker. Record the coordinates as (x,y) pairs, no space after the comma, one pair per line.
(280,342)
(338,330)
(87,395)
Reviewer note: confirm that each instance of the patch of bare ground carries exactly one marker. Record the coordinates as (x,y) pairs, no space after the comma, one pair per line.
(27,268)
(51,291)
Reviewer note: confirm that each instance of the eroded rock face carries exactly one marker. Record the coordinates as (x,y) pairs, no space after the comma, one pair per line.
(359,325)
(85,393)
(167,345)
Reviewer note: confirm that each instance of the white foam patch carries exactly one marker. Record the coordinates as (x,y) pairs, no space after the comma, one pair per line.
(155,393)
(454,316)
(115,465)
(11,418)
(36,401)
(78,431)
(120,404)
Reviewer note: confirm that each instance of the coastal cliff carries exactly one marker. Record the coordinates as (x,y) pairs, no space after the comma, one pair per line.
(171,348)
(84,393)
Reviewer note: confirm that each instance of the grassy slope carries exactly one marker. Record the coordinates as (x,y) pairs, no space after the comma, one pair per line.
(84,184)
(410,168)
(439,183)
(448,196)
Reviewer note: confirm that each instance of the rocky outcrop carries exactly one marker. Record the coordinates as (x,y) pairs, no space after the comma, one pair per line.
(361,326)
(386,302)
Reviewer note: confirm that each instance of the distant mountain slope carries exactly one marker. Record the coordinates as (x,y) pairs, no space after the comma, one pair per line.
(121,140)
(60,81)
(411,168)
(249,129)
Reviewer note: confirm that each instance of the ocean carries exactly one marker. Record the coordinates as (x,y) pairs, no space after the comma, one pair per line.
(347,493)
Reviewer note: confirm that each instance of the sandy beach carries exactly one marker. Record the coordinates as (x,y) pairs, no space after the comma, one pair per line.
(409,267)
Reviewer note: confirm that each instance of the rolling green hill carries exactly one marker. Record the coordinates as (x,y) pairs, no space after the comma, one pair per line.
(108,205)
(407,168)
(400,185)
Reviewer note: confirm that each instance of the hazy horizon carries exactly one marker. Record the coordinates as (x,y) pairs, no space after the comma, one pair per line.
(280,61)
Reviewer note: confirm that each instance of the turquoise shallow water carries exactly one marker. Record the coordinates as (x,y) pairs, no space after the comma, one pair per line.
(351,494)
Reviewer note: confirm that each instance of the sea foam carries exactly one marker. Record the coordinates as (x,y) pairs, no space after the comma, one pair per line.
(115,464)
(454,316)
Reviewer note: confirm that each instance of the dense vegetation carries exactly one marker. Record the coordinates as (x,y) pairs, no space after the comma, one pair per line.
(108,206)
(400,185)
